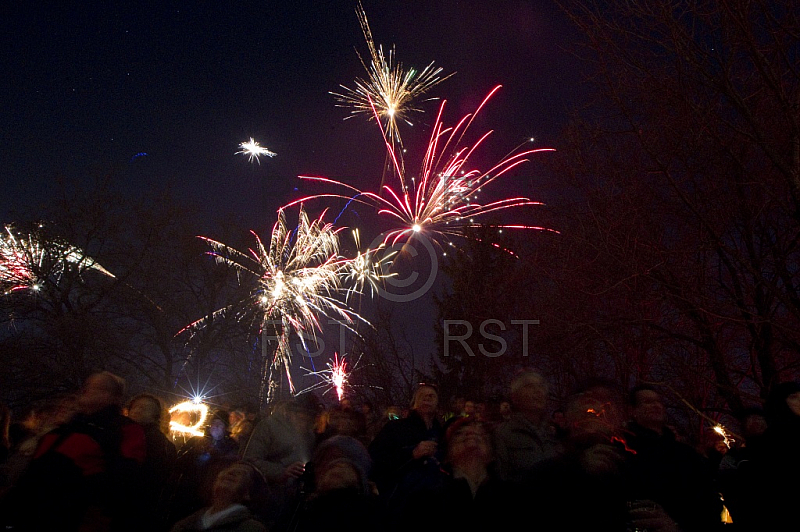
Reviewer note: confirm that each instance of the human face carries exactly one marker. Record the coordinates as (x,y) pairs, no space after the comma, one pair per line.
(470,442)
(337,476)
(754,425)
(144,411)
(217,429)
(586,418)
(649,410)
(532,395)
(426,400)
(793,401)
(234,480)
(469,408)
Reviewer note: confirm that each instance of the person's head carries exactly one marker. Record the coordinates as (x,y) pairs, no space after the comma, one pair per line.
(234,484)
(529,393)
(302,412)
(647,407)
(753,423)
(218,426)
(783,404)
(341,462)
(337,474)
(426,400)
(367,408)
(346,422)
(505,408)
(468,440)
(235,416)
(586,421)
(100,391)
(469,408)
(145,409)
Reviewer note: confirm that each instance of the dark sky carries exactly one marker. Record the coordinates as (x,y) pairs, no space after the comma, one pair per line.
(88,85)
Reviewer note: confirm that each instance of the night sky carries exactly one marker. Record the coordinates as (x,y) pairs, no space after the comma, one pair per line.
(89,85)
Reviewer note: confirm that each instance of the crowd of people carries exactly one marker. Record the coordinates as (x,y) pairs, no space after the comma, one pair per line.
(99,461)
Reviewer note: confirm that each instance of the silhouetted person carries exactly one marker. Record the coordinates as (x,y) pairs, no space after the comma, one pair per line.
(228,511)
(83,472)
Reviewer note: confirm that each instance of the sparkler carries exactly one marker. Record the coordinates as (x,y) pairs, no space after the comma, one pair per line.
(388,89)
(184,411)
(727,439)
(254,150)
(444,200)
(27,262)
(295,278)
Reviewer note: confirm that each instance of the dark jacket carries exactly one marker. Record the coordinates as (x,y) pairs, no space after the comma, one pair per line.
(452,506)
(675,476)
(395,471)
(81,476)
(240,520)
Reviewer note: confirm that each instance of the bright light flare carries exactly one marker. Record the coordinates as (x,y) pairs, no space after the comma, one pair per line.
(185,411)
(727,439)
(254,150)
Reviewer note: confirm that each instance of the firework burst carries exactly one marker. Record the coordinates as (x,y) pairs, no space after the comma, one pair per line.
(443,200)
(254,150)
(29,261)
(388,90)
(335,377)
(296,278)
(367,268)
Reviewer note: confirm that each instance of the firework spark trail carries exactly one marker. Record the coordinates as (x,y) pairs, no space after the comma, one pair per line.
(335,377)
(443,201)
(366,268)
(726,437)
(254,150)
(388,90)
(296,278)
(29,261)
(339,375)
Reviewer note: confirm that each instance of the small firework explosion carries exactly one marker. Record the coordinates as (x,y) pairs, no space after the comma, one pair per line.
(366,268)
(29,261)
(388,89)
(444,200)
(188,418)
(295,280)
(254,150)
(335,377)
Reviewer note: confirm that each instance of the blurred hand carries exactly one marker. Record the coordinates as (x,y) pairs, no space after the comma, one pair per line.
(647,515)
(293,471)
(424,449)
(600,459)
